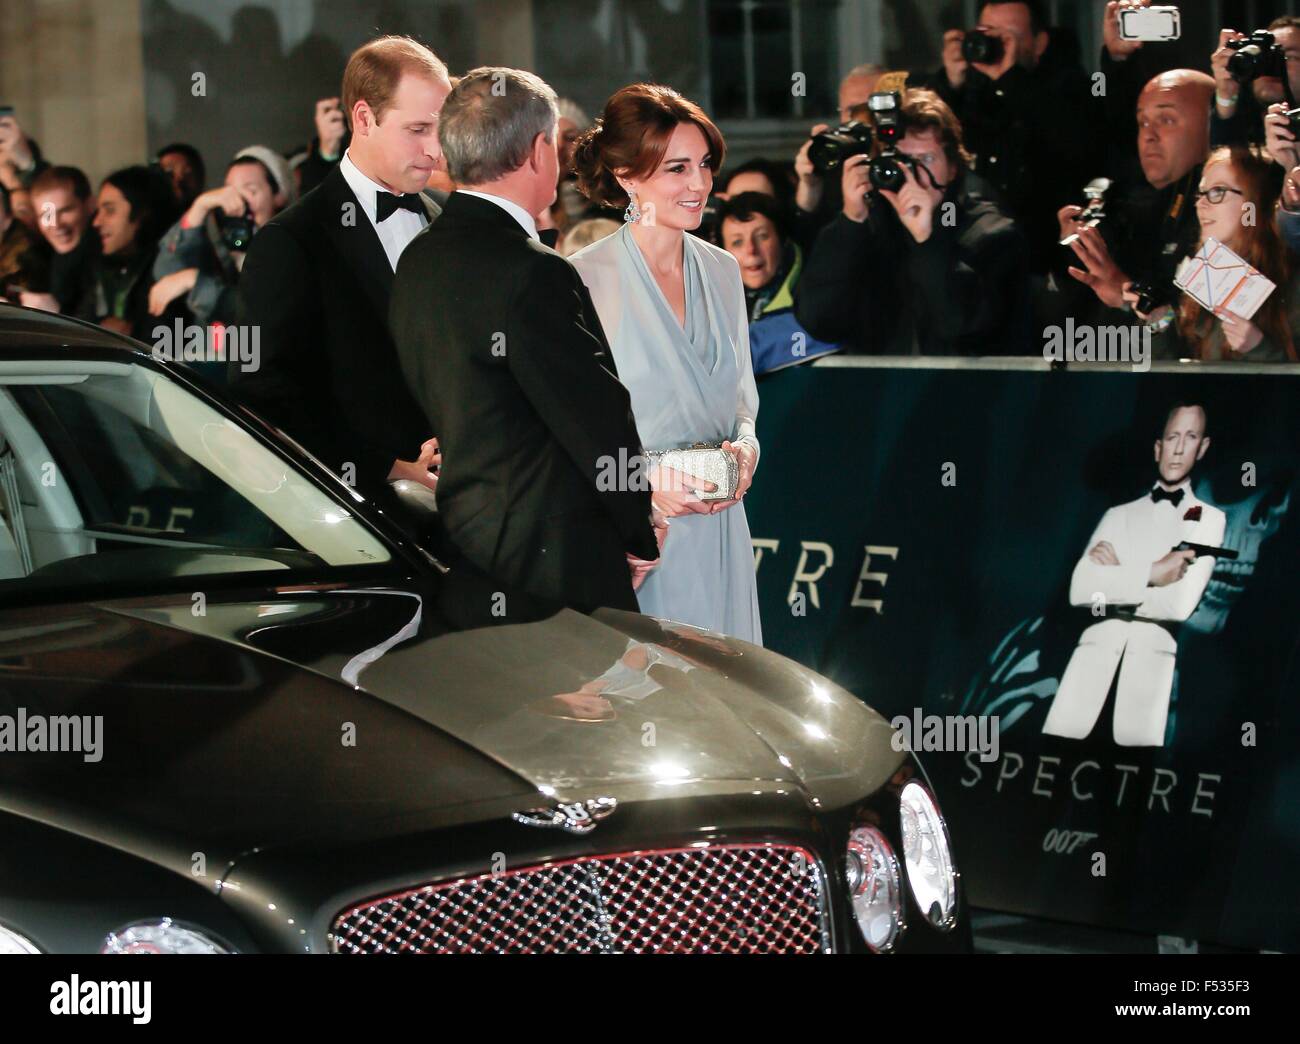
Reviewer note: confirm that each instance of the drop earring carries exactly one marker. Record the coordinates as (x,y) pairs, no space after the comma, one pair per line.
(633,212)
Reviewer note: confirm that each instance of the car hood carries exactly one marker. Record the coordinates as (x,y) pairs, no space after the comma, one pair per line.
(349,712)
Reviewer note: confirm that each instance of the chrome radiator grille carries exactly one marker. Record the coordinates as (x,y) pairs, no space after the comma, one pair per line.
(709,899)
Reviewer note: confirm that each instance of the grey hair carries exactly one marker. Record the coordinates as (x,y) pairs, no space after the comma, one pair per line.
(573,112)
(489,121)
(864,71)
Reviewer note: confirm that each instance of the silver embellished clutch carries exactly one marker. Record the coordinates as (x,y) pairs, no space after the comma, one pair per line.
(704,461)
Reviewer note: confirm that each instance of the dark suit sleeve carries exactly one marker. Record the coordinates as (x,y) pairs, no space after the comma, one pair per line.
(969,293)
(558,361)
(831,298)
(277,295)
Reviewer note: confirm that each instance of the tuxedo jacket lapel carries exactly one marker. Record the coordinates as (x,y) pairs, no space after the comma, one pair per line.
(357,241)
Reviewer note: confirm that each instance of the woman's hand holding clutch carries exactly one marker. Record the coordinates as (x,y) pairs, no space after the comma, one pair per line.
(746,458)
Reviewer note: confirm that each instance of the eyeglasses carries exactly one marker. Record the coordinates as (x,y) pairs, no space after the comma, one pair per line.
(1215,195)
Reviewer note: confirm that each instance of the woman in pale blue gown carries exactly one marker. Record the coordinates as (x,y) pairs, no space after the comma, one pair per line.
(673,309)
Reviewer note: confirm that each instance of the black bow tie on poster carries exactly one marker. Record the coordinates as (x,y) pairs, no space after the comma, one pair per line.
(1175,497)
(387,204)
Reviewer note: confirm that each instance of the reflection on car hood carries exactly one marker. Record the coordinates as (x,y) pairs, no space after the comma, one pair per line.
(299,715)
(576,703)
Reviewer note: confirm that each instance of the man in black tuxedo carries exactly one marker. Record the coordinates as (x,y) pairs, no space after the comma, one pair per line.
(500,343)
(317,279)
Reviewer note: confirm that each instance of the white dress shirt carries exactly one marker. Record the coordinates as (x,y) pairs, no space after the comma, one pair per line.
(525,219)
(397,231)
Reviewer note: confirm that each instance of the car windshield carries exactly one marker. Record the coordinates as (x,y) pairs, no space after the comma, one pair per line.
(111,472)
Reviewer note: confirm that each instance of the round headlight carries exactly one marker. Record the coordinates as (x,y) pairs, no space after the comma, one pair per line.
(931,872)
(164,936)
(875,888)
(12,942)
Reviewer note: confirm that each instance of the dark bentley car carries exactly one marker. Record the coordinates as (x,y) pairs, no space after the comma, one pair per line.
(244,710)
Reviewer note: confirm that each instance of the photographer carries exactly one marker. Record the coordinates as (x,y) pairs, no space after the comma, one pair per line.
(932,268)
(1032,125)
(1238,114)
(815,200)
(1151,224)
(326,148)
(201,260)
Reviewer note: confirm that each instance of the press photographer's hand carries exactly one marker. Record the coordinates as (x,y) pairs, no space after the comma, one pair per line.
(1106,279)
(915,205)
(1291,191)
(808,193)
(330,127)
(227,199)
(1279,137)
(954,65)
(856,184)
(1116,46)
(1225,86)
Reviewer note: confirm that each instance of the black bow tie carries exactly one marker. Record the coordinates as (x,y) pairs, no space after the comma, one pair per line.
(387,204)
(1175,497)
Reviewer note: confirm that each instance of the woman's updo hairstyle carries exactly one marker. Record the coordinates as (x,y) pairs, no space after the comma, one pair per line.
(631,137)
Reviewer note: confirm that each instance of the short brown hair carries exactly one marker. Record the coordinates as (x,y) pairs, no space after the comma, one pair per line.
(376,68)
(923,110)
(631,137)
(70,178)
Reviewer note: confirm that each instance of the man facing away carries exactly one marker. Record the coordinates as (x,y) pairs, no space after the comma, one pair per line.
(502,348)
(317,279)
(1146,588)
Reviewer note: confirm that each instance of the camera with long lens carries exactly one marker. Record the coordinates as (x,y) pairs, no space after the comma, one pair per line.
(1094,209)
(1257,56)
(236,230)
(982,48)
(831,148)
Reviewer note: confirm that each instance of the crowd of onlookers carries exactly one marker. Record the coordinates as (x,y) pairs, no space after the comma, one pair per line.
(943,236)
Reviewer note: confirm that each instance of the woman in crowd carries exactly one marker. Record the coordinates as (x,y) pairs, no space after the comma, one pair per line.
(136,204)
(673,308)
(754,229)
(1235,205)
(199,260)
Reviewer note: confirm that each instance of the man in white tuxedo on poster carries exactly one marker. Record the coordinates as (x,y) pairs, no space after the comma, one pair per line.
(1145,589)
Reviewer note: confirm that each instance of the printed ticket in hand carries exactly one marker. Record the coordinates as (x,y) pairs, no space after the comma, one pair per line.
(1221,281)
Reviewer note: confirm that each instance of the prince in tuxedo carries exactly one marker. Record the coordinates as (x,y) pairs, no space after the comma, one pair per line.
(1148,591)
(318,277)
(502,348)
